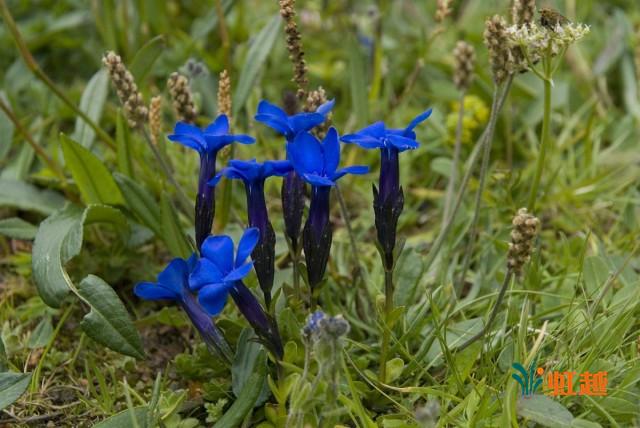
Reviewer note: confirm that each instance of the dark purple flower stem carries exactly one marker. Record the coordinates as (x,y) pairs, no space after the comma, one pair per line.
(212,337)
(317,236)
(205,200)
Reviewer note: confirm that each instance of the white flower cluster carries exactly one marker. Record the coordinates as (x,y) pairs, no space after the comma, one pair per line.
(535,41)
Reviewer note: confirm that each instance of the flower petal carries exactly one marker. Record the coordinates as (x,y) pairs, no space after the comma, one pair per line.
(402,143)
(265,107)
(238,273)
(278,168)
(375,130)
(418,120)
(195,143)
(151,291)
(363,141)
(354,169)
(278,124)
(247,243)
(219,250)
(213,298)
(191,262)
(175,275)
(325,108)
(205,273)
(302,122)
(318,180)
(218,127)
(331,149)
(305,154)
(242,138)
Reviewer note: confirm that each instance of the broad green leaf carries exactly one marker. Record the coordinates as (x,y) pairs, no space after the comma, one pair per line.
(27,197)
(172,233)
(247,397)
(12,385)
(395,367)
(41,335)
(123,146)
(92,104)
(90,174)
(254,60)
(6,130)
(124,418)
(58,240)
(146,57)
(595,273)
(544,411)
(140,202)
(17,228)
(108,322)
(248,354)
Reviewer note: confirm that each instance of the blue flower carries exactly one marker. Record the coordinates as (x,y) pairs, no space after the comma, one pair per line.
(219,273)
(173,284)
(316,162)
(388,198)
(219,268)
(254,174)
(290,126)
(211,139)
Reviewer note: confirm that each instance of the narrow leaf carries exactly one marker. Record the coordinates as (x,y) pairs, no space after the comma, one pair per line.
(27,197)
(6,130)
(17,228)
(90,174)
(92,104)
(123,146)
(140,202)
(172,233)
(108,322)
(12,386)
(41,335)
(255,59)
(146,57)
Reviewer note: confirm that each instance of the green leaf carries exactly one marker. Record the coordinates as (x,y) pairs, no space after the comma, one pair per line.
(123,146)
(204,24)
(58,240)
(254,60)
(124,418)
(17,228)
(108,322)
(395,367)
(41,335)
(146,57)
(544,411)
(27,197)
(248,354)
(140,202)
(172,233)
(20,166)
(3,356)
(92,104)
(595,273)
(247,396)
(6,130)
(358,80)
(12,385)
(90,174)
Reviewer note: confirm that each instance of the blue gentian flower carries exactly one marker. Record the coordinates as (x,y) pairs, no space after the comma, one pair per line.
(254,174)
(388,199)
(290,126)
(173,284)
(219,273)
(292,186)
(317,163)
(207,143)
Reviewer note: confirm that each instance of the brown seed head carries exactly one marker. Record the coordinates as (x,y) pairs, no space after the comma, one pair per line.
(443,10)
(135,110)
(181,97)
(315,99)
(155,123)
(464,56)
(294,46)
(523,12)
(496,41)
(224,94)
(523,236)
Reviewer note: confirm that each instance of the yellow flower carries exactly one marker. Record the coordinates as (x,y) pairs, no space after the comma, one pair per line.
(476,114)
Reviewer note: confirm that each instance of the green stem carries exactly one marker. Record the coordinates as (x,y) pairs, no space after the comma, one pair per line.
(33,66)
(352,238)
(544,144)
(456,161)
(494,312)
(386,332)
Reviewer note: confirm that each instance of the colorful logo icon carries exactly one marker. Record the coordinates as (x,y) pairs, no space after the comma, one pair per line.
(529,380)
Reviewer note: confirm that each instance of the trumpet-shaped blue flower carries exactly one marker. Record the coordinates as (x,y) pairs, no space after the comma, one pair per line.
(173,284)
(219,273)
(290,126)
(388,199)
(207,143)
(253,174)
(317,163)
